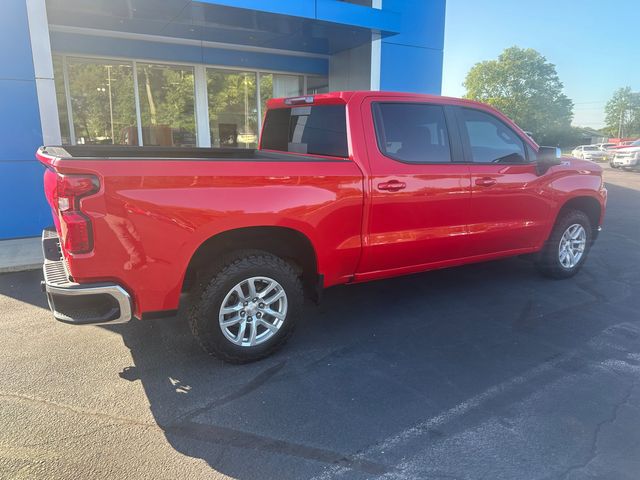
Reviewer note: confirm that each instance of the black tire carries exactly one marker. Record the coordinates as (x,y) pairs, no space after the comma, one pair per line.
(204,311)
(549,260)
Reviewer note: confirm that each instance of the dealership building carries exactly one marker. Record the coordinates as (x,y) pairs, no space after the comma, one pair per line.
(186,73)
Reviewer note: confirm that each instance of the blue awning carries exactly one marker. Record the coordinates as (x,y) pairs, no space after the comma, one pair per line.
(313,26)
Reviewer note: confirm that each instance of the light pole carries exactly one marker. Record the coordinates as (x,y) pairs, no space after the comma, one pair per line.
(113,137)
(246,109)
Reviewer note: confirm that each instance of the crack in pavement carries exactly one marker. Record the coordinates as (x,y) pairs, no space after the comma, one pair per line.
(593,451)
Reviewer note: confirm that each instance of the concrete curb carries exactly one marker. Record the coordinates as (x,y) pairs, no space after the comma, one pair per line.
(20,254)
(20,268)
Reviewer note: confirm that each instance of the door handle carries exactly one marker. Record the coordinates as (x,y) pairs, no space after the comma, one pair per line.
(485,181)
(392,186)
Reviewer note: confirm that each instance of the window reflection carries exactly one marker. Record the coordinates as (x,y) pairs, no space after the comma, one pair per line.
(317,85)
(167,105)
(233,113)
(102,101)
(275,85)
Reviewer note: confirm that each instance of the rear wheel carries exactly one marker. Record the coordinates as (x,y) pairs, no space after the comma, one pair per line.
(247,308)
(566,250)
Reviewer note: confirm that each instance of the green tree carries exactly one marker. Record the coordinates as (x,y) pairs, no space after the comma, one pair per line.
(622,113)
(526,88)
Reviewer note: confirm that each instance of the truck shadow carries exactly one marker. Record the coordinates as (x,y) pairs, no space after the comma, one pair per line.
(376,359)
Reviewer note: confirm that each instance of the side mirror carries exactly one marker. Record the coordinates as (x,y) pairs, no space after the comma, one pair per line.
(548,157)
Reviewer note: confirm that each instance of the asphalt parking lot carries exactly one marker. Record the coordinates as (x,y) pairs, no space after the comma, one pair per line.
(486,371)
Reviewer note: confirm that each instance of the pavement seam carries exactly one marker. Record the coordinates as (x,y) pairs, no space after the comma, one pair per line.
(77,410)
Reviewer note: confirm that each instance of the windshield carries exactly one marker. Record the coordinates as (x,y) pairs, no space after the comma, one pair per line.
(590,149)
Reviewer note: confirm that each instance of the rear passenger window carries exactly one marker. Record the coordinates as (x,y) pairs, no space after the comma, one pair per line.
(317,130)
(412,132)
(490,139)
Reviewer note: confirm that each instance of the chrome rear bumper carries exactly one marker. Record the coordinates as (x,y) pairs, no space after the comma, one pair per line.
(80,304)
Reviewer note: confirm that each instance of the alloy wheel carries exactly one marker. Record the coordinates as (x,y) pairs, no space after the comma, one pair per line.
(572,246)
(253,311)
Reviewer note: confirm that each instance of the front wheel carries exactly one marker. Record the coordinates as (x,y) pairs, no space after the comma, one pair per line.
(566,250)
(248,308)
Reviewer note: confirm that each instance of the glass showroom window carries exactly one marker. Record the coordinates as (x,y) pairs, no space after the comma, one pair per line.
(233,108)
(167,105)
(102,101)
(317,85)
(97,102)
(273,85)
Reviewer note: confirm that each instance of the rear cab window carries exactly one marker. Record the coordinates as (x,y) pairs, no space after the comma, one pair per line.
(412,132)
(314,130)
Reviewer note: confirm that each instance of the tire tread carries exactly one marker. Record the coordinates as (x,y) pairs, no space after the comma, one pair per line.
(206,291)
(548,264)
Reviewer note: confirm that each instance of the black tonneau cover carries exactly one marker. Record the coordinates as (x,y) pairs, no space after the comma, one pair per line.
(120,152)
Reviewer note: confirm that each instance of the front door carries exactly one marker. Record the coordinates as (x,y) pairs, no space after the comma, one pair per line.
(419,197)
(509,210)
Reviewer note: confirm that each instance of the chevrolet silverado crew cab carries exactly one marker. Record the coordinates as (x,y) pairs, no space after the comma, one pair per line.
(346,187)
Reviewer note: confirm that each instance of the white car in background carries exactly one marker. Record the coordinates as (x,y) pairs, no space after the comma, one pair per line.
(605,146)
(608,149)
(589,152)
(627,158)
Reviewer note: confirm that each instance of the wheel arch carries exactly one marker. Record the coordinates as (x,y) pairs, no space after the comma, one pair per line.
(285,242)
(587,204)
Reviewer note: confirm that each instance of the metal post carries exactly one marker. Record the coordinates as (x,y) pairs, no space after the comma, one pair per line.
(203,133)
(67,94)
(259,99)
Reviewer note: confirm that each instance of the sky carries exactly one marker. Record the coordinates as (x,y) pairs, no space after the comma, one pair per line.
(595,45)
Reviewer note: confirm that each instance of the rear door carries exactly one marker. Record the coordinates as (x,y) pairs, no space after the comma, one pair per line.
(509,208)
(419,192)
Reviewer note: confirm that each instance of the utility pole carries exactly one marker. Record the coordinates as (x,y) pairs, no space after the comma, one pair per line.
(623,111)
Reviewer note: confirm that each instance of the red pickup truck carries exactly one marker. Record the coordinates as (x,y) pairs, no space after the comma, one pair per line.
(346,187)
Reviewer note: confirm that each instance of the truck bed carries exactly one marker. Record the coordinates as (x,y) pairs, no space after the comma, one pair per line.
(156,206)
(118,152)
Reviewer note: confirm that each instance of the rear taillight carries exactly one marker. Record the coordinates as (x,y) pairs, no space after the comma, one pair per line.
(72,188)
(76,227)
(77,235)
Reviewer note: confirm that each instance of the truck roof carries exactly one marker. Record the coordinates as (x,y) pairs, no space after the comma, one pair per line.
(347,96)
(344,96)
